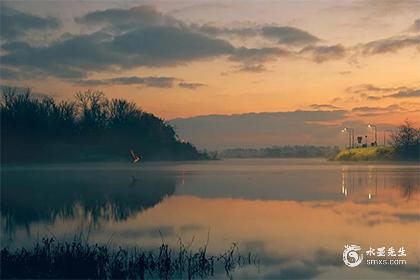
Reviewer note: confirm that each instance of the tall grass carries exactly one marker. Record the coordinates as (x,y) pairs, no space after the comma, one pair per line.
(50,258)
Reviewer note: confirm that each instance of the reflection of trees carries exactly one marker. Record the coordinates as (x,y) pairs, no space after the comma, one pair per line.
(409,185)
(356,181)
(31,196)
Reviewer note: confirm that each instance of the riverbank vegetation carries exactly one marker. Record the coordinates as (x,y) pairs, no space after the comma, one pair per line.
(404,145)
(52,259)
(369,153)
(91,127)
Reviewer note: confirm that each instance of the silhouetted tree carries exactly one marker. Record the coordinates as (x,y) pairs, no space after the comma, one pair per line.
(92,127)
(406,141)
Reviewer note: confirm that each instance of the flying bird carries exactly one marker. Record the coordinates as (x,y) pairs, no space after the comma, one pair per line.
(136,158)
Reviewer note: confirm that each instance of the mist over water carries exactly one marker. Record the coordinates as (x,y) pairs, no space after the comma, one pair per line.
(296,214)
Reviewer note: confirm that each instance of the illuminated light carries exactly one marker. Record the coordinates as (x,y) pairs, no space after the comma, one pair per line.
(370,196)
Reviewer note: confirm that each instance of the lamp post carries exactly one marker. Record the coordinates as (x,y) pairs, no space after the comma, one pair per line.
(350,131)
(376,132)
(385,131)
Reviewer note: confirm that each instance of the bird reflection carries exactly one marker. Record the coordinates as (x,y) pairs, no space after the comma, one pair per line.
(133,182)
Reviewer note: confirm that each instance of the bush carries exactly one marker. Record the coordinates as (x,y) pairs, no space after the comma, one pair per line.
(406,141)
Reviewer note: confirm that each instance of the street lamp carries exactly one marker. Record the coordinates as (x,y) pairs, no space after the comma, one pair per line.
(376,132)
(385,131)
(350,131)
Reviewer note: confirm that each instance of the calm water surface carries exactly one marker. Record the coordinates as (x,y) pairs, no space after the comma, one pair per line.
(296,214)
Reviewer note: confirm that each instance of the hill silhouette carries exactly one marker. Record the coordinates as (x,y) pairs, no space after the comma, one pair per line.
(89,128)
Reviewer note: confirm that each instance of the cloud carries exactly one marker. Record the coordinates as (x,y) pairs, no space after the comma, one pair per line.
(323,107)
(70,58)
(8,74)
(289,35)
(254,68)
(321,54)
(376,110)
(372,97)
(365,91)
(344,72)
(252,59)
(165,45)
(405,93)
(416,26)
(15,24)
(242,32)
(145,38)
(129,19)
(201,8)
(159,82)
(192,86)
(371,9)
(369,88)
(142,36)
(284,35)
(365,109)
(390,45)
(257,55)
(408,217)
(76,56)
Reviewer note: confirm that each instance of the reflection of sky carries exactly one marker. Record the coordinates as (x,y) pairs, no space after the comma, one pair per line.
(295,217)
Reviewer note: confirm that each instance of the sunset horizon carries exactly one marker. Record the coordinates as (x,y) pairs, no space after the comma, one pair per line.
(364,64)
(201,139)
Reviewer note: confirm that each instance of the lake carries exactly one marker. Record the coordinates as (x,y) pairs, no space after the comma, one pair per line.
(295,214)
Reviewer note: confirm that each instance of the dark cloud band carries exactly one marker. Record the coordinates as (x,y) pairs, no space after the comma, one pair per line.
(15,24)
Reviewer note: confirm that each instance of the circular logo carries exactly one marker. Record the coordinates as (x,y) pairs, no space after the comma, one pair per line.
(351,256)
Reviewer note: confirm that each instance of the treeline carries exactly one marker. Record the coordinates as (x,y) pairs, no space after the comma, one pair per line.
(306,151)
(90,127)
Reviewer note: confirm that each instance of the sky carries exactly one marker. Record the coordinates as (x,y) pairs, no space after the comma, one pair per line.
(182,59)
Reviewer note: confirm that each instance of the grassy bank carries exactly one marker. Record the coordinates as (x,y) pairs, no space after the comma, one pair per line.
(366,154)
(80,260)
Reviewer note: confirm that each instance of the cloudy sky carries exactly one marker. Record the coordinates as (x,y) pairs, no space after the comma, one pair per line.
(180,59)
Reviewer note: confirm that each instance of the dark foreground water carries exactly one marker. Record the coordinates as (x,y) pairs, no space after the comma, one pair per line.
(296,214)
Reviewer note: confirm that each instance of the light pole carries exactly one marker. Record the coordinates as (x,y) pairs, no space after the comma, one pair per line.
(385,131)
(376,132)
(350,131)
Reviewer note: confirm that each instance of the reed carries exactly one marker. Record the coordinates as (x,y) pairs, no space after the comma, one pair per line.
(50,258)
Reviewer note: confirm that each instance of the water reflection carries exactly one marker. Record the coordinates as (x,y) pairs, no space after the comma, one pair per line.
(29,196)
(296,215)
(370,184)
